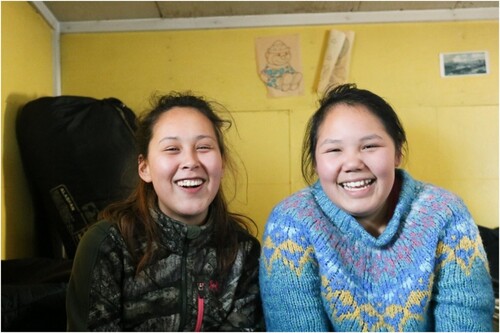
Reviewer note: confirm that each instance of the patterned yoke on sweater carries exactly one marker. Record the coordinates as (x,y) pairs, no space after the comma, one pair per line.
(320,269)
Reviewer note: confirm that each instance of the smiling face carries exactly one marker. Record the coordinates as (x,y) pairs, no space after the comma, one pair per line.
(355,161)
(184,163)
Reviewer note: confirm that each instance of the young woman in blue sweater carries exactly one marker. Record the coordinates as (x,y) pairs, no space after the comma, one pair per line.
(366,247)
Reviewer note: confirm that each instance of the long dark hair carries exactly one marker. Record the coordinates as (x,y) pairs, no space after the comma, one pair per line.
(349,94)
(133,214)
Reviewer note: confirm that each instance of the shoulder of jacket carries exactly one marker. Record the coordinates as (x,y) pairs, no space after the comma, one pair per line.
(95,235)
(100,228)
(89,247)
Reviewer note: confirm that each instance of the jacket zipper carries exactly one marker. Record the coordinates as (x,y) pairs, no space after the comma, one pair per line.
(201,307)
(184,288)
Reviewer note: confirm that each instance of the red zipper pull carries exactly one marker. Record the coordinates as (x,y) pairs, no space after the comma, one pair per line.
(201,306)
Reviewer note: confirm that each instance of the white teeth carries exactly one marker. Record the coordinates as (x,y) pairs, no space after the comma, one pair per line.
(358,184)
(190,182)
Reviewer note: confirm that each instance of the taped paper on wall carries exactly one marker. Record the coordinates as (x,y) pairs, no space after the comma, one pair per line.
(279,65)
(335,68)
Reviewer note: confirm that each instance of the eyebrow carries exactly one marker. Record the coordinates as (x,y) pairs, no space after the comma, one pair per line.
(371,137)
(198,137)
(365,138)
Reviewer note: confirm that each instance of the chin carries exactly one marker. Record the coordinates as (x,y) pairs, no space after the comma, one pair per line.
(193,213)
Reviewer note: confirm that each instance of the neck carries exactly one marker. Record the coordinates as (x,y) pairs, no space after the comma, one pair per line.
(376,225)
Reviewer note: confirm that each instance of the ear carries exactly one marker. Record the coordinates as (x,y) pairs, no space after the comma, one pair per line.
(143,169)
(397,160)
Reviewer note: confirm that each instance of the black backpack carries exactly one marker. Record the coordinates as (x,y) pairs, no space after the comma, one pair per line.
(79,155)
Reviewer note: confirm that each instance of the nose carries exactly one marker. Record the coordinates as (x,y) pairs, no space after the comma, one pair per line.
(352,162)
(190,160)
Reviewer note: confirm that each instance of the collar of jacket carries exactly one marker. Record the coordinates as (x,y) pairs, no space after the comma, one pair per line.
(177,231)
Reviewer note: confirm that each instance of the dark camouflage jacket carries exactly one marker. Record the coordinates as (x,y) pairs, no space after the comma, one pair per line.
(179,291)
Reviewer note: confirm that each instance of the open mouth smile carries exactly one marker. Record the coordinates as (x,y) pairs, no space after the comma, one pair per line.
(357,185)
(190,183)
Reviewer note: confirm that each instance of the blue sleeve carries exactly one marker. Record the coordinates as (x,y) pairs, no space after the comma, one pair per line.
(463,292)
(289,279)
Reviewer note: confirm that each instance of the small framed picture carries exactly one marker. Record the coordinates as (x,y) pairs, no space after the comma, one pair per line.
(464,63)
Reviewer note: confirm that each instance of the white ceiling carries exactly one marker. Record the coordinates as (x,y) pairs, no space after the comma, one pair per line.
(75,11)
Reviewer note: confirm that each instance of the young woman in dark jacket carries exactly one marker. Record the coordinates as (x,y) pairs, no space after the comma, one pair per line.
(171,257)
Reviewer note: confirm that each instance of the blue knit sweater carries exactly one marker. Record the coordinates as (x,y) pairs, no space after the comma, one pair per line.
(322,271)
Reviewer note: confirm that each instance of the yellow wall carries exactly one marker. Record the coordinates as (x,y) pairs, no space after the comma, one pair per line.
(26,74)
(452,123)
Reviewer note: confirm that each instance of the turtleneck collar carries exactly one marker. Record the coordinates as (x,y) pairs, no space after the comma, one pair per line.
(349,225)
(180,229)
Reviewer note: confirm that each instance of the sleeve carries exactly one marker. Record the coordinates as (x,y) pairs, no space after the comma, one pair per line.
(463,292)
(289,278)
(246,314)
(93,294)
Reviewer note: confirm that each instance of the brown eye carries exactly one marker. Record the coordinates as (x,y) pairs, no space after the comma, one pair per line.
(204,147)
(372,146)
(171,149)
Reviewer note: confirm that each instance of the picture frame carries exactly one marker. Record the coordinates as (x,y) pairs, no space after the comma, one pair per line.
(459,64)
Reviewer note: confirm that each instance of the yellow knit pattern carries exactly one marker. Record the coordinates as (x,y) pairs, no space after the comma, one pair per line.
(303,255)
(465,244)
(346,297)
(291,247)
